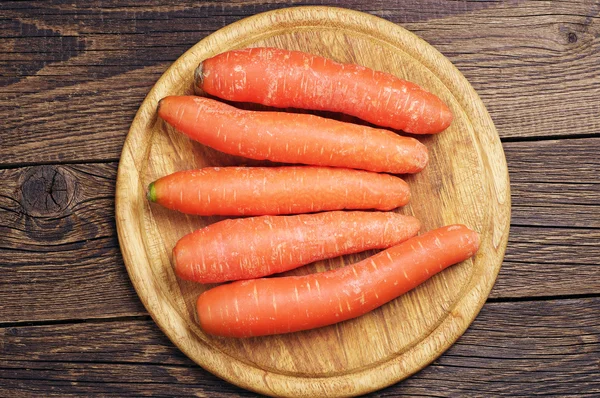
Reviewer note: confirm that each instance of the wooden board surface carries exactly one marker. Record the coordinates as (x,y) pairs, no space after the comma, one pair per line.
(521,57)
(73,74)
(387,344)
(511,349)
(553,234)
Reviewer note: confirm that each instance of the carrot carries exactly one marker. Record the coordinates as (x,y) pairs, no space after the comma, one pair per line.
(259,246)
(292,138)
(236,191)
(283,79)
(266,306)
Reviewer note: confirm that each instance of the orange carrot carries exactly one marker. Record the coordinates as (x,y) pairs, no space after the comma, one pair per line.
(258,246)
(292,138)
(237,191)
(266,306)
(284,79)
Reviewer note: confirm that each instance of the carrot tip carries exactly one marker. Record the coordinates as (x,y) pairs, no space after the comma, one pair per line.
(151,195)
(199,79)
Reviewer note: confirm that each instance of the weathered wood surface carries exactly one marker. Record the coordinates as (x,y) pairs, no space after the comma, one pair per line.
(63,246)
(59,243)
(61,63)
(523,348)
(72,77)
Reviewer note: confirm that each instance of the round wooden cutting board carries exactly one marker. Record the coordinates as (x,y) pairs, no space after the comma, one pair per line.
(465,182)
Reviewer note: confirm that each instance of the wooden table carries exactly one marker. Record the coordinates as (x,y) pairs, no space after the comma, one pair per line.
(73,75)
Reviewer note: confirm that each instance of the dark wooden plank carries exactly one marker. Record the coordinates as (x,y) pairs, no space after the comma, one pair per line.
(87,121)
(59,239)
(59,254)
(73,75)
(554,182)
(554,161)
(521,349)
(47,207)
(79,17)
(549,262)
(516,348)
(44,388)
(88,281)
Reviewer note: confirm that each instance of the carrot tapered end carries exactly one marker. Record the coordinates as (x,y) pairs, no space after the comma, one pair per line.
(151,195)
(199,79)
(446,118)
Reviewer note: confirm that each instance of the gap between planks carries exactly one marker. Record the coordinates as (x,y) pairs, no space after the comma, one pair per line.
(16,165)
(97,320)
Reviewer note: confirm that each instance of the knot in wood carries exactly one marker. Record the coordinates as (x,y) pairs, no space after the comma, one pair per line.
(46,191)
(572,37)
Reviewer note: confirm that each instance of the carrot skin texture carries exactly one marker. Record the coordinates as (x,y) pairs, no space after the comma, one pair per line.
(267,306)
(259,246)
(255,191)
(292,138)
(283,79)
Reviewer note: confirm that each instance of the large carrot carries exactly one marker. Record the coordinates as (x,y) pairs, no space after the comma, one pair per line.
(236,191)
(258,246)
(292,138)
(283,79)
(280,305)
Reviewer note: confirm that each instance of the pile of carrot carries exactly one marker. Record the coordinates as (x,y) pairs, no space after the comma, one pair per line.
(313,210)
